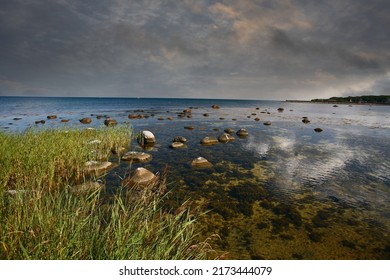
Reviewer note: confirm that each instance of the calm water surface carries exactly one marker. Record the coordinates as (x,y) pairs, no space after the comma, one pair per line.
(283,192)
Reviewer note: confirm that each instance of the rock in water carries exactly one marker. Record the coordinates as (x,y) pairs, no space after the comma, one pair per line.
(179,139)
(136,156)
(86,120)
(267,123)
(280,109)
(142,177)
(305,120)
(201,162)
(242,132)
(96,167)
(175,145)
(209,141)
(146,138)
(215,106)
(51,117)
(229,130)
(110,122)
(86,188)
(226,137)
(318,129)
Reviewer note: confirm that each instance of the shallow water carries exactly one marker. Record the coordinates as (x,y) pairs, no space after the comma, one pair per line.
(283,192)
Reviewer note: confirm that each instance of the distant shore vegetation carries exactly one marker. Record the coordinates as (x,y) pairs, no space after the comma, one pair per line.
(47,212)
(371,99)
(363,99)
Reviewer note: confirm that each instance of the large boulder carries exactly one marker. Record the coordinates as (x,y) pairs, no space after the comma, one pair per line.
(146,138)
(201,162)
(209,141)
(226,137)
(141,178)
(136,156)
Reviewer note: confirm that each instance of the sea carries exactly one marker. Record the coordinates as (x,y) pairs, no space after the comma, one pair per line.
(285,191)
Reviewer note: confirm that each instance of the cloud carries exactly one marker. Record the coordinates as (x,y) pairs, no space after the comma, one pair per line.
(253,19)
(262,49)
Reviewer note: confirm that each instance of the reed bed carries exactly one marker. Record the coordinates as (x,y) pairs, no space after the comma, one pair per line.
(41,217)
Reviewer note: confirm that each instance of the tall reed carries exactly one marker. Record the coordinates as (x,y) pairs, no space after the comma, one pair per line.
(48,159)
(61,225)
(41,217)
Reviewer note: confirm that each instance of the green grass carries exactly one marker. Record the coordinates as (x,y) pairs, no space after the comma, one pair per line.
(45,219)
(49,159)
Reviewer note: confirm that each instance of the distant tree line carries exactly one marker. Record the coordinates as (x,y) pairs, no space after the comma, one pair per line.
(373,99)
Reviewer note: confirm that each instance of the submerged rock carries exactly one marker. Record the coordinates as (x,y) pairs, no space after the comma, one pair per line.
(187,111)
(51,117)
(40,121)
(142,177)
(189,127)
(136,156)
(86,120)
(201,162)
(209,141)
(64,120)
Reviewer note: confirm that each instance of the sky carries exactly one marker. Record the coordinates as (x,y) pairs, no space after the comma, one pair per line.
(259,49)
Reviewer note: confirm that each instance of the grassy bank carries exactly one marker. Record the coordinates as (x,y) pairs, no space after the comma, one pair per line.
(42,218)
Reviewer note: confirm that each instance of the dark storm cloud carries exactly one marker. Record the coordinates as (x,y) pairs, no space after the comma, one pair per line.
(260,49)
(331,53)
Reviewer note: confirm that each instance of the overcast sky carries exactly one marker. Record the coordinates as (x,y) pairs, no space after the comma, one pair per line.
(265,49)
